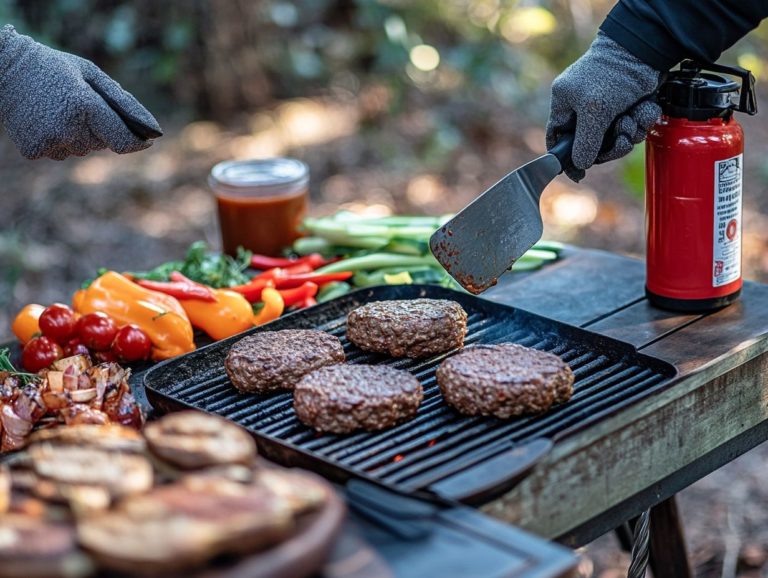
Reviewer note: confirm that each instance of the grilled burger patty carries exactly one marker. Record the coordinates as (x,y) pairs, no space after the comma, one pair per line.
(343,398)
(265,362)
(408,328)
(504,380)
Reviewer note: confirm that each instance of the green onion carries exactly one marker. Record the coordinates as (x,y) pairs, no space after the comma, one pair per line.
(377,261)
(333,290)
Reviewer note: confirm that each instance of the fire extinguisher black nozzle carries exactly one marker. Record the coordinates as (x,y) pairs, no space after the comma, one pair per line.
(693,92)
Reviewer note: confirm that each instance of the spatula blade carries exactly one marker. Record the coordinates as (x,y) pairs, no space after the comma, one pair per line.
(486,238)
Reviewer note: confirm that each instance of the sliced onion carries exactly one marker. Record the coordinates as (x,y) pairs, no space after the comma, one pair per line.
(83,395)
(70,378)
(13,424)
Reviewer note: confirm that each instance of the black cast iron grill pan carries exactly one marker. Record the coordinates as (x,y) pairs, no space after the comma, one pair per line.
(472,459)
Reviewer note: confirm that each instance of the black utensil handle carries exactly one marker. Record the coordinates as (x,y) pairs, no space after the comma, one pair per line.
(388,500)
(493,477)
(563,149)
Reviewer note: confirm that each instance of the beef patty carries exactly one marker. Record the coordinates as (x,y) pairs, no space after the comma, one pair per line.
(343,398)
(504,380)
(271,360)
(408,328)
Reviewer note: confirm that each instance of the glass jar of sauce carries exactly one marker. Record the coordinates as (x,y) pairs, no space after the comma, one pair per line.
(260,202)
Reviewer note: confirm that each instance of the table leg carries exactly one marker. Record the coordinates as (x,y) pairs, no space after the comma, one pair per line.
(669,558)
(624,536)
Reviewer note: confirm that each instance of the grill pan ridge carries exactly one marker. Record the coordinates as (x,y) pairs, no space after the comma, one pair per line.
(438,442)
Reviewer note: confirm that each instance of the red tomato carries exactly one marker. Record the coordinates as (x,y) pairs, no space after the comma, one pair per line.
(39,353)
(75,347)
(131,344)
(97,331)
(58,322)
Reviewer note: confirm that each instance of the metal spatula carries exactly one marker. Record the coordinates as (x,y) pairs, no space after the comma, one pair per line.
(486,238)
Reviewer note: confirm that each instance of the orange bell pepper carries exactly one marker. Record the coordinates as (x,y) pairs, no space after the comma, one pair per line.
(161,316)
(273,306)
(229,314)
(27,322)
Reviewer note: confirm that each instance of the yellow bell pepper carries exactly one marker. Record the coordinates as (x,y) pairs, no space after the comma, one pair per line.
(228,315)
(273,306)
(27,322)
(161,316)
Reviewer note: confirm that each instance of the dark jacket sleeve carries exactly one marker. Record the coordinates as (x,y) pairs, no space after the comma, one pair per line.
(661,33)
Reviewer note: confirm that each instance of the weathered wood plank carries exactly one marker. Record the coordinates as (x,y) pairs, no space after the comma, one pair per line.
(718,336)
(584,285)
(641,323)
(601,467)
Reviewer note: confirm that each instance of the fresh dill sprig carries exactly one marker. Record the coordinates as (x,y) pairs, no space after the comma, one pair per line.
(7,365)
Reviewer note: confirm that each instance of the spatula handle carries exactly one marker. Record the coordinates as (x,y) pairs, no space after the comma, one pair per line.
(562,150)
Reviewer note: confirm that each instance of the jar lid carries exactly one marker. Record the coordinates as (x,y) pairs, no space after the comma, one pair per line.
(260,176)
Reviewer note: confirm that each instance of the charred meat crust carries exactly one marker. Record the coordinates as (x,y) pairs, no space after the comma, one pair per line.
(344,398)
(274,360)
(504,380)
(408,328)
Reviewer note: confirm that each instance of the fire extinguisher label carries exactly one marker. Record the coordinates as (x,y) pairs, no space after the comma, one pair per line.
(726,266)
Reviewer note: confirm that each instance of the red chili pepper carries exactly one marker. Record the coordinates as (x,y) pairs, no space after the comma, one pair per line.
(180,290)
(282,272)
(179,277)
(299,294)
(265,262)
(318,278)
(308,302)
(252,290)
(314,260)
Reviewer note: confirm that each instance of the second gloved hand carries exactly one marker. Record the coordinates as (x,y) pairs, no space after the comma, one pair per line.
(54,104)
(607,83)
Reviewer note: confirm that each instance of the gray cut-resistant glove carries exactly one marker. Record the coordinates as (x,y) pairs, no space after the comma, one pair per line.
(606,84)
(54,104)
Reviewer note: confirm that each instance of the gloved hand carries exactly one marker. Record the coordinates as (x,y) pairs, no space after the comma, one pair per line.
(54,104)
(607,83)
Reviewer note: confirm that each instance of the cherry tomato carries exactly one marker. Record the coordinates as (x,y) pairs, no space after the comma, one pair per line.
(97,331)
(58,322)
(131,344)
(39,353)
(26,323)
(75,347)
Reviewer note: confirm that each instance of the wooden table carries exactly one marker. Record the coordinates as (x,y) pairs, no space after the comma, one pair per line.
(640,457)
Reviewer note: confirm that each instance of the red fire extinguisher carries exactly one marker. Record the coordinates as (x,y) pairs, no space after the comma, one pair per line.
(693,176)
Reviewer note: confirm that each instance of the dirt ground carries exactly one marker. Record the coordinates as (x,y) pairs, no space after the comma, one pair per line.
(61,221)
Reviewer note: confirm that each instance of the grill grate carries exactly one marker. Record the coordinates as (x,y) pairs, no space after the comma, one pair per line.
(438,441)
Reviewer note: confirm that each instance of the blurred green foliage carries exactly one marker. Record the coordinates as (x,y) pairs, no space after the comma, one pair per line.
(261,50)
(458,61)
(219,57)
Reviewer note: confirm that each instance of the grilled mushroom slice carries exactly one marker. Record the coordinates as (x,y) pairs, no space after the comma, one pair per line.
(5,489)
(33,547)
(118,473)
(107,437)
(192,439)
(184,524)
(300,490)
